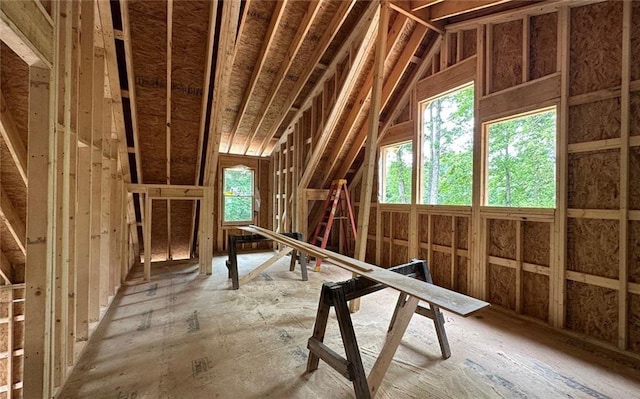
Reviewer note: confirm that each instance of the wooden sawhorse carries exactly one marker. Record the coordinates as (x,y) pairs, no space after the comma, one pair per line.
(338,295)
(232,263)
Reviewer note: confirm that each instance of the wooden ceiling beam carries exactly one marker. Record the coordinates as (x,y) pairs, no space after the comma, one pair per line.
(356,35)
(296,44)
(224,64)
(358,63)
(326,39)
(420,16)
(9,133)
(393,35)
(270,35)
(448,9)
(27,28)
(12,220)
(6,270)
(416,5)
(242,25)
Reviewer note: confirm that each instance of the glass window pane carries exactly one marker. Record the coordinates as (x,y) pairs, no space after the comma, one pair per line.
(238,209)
(238,182)
(522,161)
(397,161)
(447,149)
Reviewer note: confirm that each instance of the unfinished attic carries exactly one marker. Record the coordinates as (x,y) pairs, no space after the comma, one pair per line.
(319,199)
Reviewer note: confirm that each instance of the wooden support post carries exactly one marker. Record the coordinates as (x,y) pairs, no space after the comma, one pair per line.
(147,237)
(38,271)
(168,120)
(105,208)
(372,139)
(519,271)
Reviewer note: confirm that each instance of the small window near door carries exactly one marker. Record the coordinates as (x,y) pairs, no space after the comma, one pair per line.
(238,195)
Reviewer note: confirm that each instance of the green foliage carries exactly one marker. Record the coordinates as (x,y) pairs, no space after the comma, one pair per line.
(447,149)
(238,195)
(522,161)
(398,162)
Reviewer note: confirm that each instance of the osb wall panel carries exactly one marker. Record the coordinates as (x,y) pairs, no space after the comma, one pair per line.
(593,246)
(11,182)
(594,180)
(423,254)
(594,121)
(502,287)
(469,43)
(453,49)
(373,215)
(536,242)
(441,269)
(10,248)
(14,86)
(400,255)
(442,229)
(634,251)
(543,41)
(535,295)
(595,64)
(502,238)
(634,178)
(634,124)
(462,225)
(180,228)
(386,224)
(159,230)
(633,337)
(506,59)
(635,40)
(370,256)
(592,310)
(386,248)
(462,275)
(423,228)
(401,226)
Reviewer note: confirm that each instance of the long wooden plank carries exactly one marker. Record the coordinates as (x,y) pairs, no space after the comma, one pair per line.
(452,301)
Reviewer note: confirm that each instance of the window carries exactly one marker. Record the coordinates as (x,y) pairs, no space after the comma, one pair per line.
(396,162)
(521,161)
(238,195)
(446,166)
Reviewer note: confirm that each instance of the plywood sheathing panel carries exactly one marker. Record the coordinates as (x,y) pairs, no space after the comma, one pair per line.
(10,248)
(180,228)
(634,251)
(502,238)
(461,275)
(441,269)
(400,255)
(159,230)
(634,178)
(535,295)
(592,310)
(596,47)
(543,34)
(190,28)
(536,242)
(507,55)
(12,183)
(462,225)
(370,256)
(386,224)
(594,121)
(14,86)
(634,124)
(594,180)
(372,221)
(395,96)
(386,248)
(635,40)
(401,226)
(148,25)
(469,43)
(593,246)
(423,226)
(633,337)
(502,287)
(442,230)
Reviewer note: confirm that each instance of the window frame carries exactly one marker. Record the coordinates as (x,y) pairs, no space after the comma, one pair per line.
(224,196)
(382,171)
(484,189)
(422,104)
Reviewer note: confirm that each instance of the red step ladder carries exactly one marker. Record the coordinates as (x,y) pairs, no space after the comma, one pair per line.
(335,207)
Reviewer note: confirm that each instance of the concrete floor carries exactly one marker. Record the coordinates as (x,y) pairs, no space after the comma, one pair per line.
(187,336)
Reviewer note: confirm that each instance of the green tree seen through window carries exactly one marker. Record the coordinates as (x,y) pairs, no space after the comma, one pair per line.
(238,195)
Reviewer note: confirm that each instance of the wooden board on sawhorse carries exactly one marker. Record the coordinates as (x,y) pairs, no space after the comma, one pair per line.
(338,295)
(232,262)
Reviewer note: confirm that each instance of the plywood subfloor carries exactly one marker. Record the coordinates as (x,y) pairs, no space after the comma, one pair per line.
(186,336)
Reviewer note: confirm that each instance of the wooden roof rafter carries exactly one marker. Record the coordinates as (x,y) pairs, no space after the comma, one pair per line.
(330,32)
(9,133)
(276,17)
(27,28)
(393,36)
(420,16)
(12,220)
(358,63)
(296,44)
(447,9)
(6,269)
